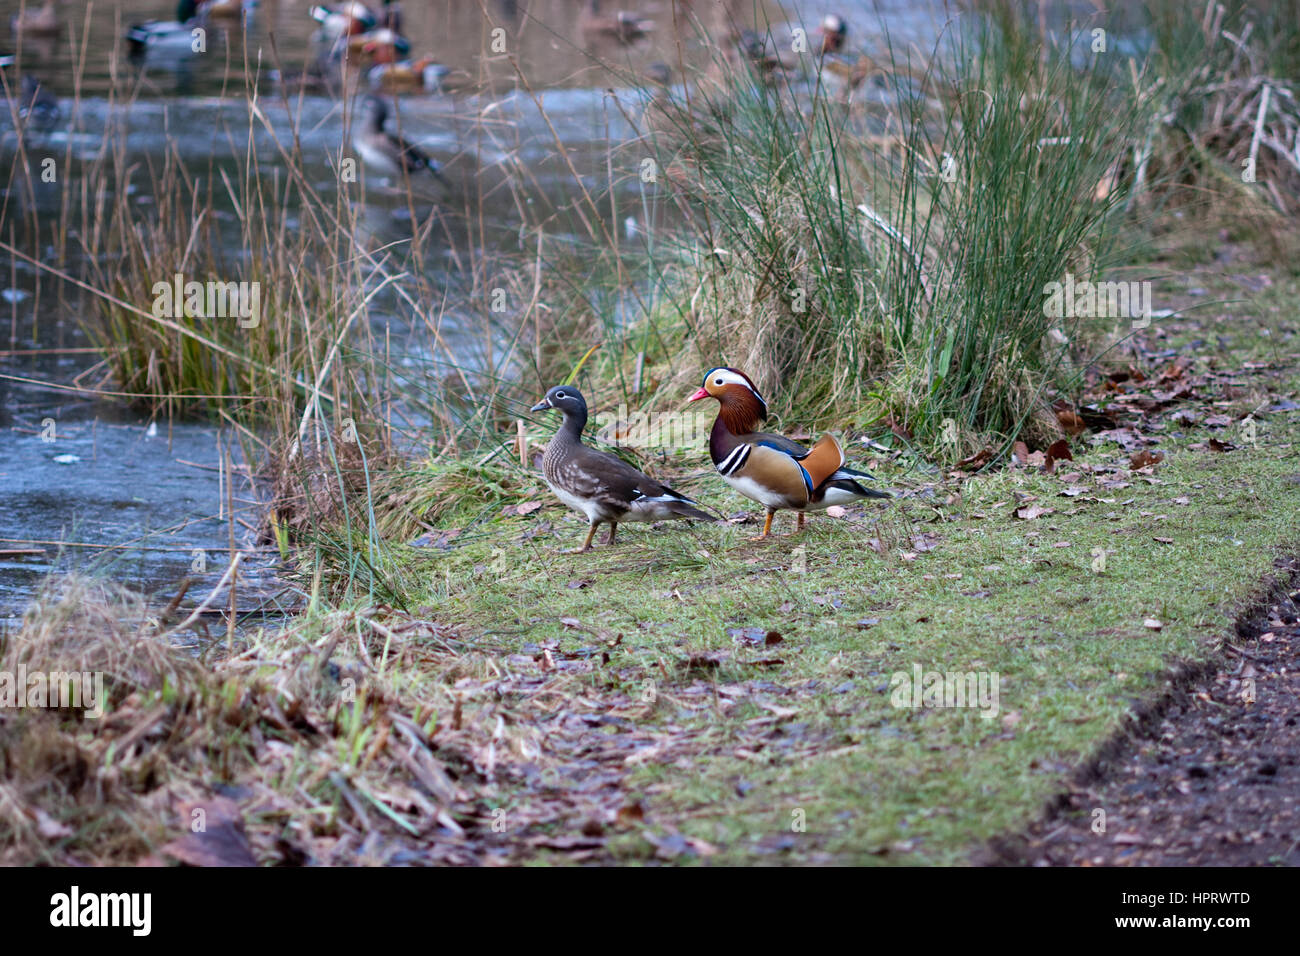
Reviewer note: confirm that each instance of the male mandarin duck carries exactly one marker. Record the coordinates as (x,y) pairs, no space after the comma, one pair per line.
(347,19)
(408,76)
(771,469)
(833,32)
(221,9)
(598,485)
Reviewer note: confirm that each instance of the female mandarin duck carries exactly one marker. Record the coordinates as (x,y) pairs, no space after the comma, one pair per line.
(602,487)
(388,153)
(771,469)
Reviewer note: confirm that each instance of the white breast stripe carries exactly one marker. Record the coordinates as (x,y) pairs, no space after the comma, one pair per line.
(733,461)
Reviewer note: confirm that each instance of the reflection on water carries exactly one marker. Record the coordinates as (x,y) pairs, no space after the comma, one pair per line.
(514,101)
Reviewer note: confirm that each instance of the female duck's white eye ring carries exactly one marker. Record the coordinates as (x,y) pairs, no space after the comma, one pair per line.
(559,395)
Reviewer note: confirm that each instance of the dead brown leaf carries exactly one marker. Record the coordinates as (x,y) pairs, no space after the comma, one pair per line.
(1145,458)
(977,460)
(216,834)
(1033,512)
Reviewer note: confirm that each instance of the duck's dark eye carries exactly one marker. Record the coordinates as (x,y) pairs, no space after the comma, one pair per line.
(559,395)
(717,381)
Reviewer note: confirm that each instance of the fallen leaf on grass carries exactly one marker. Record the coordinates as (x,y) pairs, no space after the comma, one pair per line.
(1033,511)
(706,661)
(629,813)
(1145,458)
(977,460)
(527,508)
(1071,421)
(902,431)
(1152,624)
(1216,445)
(566,843)
(925,542)
(754,636)
(1059,450)
(221,842)
(835,511)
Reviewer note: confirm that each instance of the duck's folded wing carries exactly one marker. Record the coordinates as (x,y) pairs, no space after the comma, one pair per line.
(816,464)
(611,481)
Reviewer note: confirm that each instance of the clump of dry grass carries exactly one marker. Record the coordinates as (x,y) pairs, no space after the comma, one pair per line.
(302,745)
(1223,118)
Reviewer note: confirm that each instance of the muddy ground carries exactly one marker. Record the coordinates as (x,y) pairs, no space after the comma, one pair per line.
(1210,778)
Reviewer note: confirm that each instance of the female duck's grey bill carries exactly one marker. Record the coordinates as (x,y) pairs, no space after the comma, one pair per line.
(541,406)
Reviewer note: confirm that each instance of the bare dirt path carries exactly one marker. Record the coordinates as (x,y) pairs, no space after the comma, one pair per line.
(1213,781)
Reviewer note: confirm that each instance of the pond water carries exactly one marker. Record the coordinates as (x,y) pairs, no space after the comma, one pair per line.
(85,482)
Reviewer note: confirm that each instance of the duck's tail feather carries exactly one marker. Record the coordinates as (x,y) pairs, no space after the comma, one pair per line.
(688,510)
(848,480)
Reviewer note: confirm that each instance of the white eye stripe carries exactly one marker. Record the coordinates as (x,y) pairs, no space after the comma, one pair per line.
(722,376)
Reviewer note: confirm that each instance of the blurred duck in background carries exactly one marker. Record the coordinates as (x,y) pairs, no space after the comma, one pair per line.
(176,39)
(408,76)
(37,109)
(353,30)
(222,9)
(34,21)
(389,154)
(622,25)
(343,20)
(382,45)
(833,32)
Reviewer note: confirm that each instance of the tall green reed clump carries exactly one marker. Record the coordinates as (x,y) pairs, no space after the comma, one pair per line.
(1012,186)
(863,260)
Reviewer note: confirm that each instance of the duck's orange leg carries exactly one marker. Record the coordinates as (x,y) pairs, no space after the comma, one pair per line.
(799,527)
(767,526)
(612,526)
